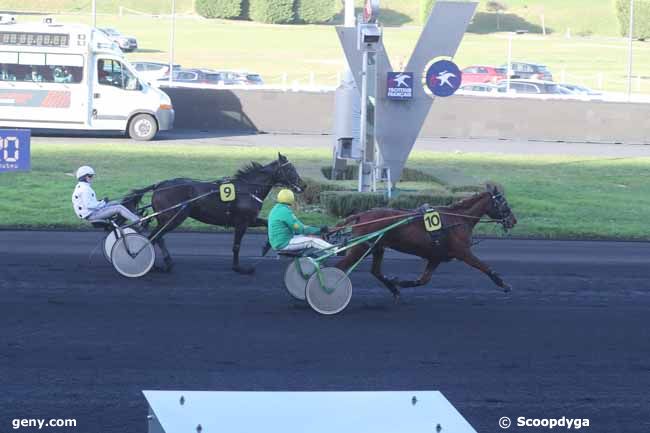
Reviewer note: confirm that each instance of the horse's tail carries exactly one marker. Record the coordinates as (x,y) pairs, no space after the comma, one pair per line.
(132,200)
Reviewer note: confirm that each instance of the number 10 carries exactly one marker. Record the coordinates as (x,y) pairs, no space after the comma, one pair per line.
(5,149)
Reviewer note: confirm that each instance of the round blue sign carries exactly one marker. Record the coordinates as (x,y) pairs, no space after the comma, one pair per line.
(444,78)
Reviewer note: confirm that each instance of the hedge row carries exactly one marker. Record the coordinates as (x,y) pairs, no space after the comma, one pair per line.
(641,18)
(408,174)
(219,8)
(270,11)
(345,203)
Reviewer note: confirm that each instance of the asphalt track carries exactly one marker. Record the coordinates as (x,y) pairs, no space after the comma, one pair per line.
(79,341)
(284,141)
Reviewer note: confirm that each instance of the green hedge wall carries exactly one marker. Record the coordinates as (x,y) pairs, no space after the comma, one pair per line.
(271,11)
(316,11)
(219,8)
(345,203)
(641,18)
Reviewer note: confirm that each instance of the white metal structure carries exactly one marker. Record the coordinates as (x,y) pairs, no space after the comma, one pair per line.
(73,77)
(303,412)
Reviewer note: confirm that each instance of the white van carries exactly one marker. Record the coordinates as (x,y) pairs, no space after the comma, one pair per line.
(73,77)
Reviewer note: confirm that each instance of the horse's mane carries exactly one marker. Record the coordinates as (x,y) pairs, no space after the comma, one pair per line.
(466,202)
(248,169)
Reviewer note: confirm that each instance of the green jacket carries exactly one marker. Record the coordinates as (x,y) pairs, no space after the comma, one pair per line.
(283,225)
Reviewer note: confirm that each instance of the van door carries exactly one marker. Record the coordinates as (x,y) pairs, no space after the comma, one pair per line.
(116,94)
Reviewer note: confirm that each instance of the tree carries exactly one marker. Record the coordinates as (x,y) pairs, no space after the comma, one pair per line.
(497,8)
(316,11)
(641,18)
(219,8)
(271,11)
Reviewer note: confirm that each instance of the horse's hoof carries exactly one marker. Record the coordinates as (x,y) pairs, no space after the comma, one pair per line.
(506,288)
(244,270)
(396,298)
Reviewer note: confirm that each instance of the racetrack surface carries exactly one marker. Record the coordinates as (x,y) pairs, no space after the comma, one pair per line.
(79,341)
(283,141)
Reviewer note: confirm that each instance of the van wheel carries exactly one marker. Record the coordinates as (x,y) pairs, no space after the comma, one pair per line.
(143,127)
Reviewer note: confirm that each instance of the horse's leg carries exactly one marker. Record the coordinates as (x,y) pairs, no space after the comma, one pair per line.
(259,222)
(167,258)
(424,278)
(165,224)
(240,230)
(469,258)
(377,259)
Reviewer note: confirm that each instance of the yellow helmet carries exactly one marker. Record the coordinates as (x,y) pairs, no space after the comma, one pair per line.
(286,196)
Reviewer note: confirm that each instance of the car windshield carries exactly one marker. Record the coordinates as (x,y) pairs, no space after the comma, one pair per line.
(553,88)
(500,70)
(111,32)
(213,78)
(253,77)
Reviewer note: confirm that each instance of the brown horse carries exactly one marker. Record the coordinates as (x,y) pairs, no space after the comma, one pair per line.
(452,241)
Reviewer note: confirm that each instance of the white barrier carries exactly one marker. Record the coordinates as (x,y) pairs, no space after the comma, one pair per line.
(301,412)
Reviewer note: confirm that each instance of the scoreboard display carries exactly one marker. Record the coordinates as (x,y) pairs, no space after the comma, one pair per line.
(14,150)
(59,40)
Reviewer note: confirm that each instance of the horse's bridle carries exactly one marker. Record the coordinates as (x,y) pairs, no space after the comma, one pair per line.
(502,208)
(291,183)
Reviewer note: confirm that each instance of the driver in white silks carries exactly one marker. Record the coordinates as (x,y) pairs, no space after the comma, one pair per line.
(86,205)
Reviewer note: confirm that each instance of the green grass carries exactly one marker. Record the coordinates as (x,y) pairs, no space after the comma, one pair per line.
(553,197)
(582,16)
(299,51)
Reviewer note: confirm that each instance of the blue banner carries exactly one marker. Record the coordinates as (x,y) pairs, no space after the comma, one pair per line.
(400,85)
(14,150)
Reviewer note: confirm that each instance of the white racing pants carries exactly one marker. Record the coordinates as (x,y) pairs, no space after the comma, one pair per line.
(300,242)
(111,209)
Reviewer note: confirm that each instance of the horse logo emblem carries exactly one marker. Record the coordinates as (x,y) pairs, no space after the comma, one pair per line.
(400,85)
(443,78)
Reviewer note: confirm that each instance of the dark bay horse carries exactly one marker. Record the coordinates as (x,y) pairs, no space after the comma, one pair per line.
(234,202)
(454,241)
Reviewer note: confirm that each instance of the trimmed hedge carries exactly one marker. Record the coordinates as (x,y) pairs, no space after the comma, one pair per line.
(314,189)
(315,11)
(271,11)
(219,8)
(345,203)
(408,174)
(426,6)
(641,18)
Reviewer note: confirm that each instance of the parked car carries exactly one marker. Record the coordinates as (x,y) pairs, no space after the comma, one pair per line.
(248,79)
(126,43)
(151,71)
(483,74)
(533,87)
(529,71)
(581,90)
(478,88)
(196,76)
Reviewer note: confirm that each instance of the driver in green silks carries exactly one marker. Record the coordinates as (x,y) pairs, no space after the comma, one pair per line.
(286,232)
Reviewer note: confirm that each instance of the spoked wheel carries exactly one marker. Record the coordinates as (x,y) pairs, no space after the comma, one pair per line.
(133,255)
(331,292)
(109,241)
(296,277)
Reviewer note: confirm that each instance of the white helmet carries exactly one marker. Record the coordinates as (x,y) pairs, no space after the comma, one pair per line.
(85,171)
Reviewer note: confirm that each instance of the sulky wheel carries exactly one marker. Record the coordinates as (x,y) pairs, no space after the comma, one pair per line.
(110,239)
(133,255)
(333,295)
(297,275)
